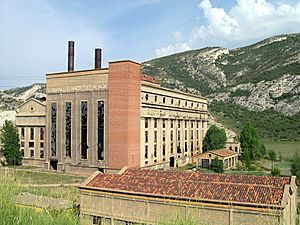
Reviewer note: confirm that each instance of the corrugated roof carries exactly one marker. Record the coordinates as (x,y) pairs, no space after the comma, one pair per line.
(195,185)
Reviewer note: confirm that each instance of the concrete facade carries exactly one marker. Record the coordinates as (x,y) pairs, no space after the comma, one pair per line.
(234,146)
(228,157)
(31,121)
(135,106)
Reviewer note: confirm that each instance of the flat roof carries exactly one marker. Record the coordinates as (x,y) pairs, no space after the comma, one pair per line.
(228,188)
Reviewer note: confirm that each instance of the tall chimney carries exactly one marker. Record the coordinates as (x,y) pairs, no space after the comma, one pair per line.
(98,58)
(71,56)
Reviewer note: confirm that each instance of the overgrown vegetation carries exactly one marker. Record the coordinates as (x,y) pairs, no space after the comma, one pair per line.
(215,138)
(12,214)
(270,125)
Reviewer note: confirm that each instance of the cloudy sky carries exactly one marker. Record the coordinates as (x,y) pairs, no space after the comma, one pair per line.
(34,33)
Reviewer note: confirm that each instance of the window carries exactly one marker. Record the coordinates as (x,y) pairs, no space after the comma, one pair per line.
(31,133)
(172,146)
(192,104)
(68,128)
(42,133)
(164,123)
(236,149)
(205,163)
(42,145)
(31,153)
(203,124)
(178,102)
(146,123)
(146,97)
(230,148)
(22,152)
(186,103)
(185,135)
(31,144)
(155,136)
(172,123)
(146,136)
(53,129)
(192,134)
(155,151)
(197,124)
(146,152)
(178,123)
(192,124)
(164,150)
(155,98)
(185,147)
(172,101)
(22,133)
(100,128)
(155,123)
(178,149)
(41,154)
(178,135)
(22,144)
(171,135)
(164,136)
(84,119)
(164,100)
(185,124)
(97,220)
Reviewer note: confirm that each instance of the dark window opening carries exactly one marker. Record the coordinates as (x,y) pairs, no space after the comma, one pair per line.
(42,145)
(84,147)
(146,123)
(31,153)
(53,129)
(155,136)
(155,151)
(22,133)
(41,154)
(68,128)
(164,150)
(100,130)
(42,133)
(146,152)
(31,144)
(31,133)
(146,136)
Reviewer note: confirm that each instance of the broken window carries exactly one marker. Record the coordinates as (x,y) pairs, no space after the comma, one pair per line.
(84,147)
(53,128)
(100,130)
(68,129)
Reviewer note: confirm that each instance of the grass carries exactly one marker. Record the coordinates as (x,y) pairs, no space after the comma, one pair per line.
(35,177)
(287,149)
(12,214)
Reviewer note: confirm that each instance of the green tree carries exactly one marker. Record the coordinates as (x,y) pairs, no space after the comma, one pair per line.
(215,138)
(272,156)
(217,165)
(11,146)
(295,166)
(262,149)
(250,145)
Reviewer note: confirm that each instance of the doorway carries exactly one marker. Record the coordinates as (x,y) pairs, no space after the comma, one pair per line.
(172,161)
(53,164)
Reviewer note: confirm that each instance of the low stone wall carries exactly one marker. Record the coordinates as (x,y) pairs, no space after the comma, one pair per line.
(119,209)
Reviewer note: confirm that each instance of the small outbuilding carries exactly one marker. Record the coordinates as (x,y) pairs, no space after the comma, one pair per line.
(144,196)
(228,157)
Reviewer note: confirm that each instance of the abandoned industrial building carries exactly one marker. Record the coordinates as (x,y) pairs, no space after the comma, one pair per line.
(143,196)
(107,118)
(31,121)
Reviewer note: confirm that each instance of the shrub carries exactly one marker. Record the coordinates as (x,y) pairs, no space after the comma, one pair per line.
(275,171)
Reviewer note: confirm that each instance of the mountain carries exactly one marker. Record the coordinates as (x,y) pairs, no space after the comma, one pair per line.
(11,98)
(259,83)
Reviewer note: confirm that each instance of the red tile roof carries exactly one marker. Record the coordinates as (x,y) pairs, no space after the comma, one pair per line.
(195,185)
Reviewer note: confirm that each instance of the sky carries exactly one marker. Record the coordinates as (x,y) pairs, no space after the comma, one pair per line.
(34,33)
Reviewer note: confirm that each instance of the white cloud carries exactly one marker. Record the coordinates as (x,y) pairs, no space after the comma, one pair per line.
(247,21)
